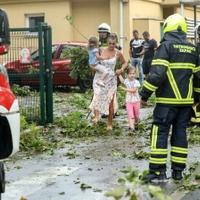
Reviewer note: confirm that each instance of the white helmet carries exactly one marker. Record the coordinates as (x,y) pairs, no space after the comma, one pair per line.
(104,28)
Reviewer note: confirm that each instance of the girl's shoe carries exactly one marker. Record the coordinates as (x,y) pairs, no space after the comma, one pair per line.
(131,129)
(95,120)
(109,128)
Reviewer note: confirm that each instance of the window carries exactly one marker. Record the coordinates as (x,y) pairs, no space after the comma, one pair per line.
(190,27)
(32,20)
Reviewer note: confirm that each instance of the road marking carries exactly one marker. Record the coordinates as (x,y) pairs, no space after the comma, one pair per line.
(34,182)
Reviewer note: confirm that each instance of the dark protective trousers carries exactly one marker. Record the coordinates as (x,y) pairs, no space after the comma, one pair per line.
(165,117)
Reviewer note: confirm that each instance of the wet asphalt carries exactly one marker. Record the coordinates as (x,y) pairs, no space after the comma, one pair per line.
(96,166)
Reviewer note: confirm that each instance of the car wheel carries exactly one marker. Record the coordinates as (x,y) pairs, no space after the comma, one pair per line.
(2,178)
(85,84)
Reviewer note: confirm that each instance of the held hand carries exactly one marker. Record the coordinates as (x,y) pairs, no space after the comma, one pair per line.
(118,72)
(93,69)
(143,103)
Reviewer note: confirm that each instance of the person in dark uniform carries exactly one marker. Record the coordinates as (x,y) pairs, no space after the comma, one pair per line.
(175,63)
(135,54)
(149,47)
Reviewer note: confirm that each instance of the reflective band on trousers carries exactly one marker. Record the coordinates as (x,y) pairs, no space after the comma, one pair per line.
(178,159)
(158,160)
(154,136)
(159,151)
(179,150)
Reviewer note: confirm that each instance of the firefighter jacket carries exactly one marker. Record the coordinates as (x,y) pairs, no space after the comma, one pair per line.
(171,75)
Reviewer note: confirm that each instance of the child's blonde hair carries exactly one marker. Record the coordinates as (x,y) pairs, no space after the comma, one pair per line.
(93,40)
(131,68)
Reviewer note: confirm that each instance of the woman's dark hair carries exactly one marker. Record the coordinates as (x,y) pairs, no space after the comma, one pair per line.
(135,31)
(146,33)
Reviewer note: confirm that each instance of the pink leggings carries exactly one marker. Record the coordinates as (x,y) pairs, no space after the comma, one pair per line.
(133,110)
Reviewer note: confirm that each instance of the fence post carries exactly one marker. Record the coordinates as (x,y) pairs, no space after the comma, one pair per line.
(42,72)
(49,75)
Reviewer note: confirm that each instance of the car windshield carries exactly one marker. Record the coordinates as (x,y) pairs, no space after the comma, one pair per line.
(35,54)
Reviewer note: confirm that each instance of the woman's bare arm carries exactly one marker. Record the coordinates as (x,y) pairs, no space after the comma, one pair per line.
(121,79)
(124,63)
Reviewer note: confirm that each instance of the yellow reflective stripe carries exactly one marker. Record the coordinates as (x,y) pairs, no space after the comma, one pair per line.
(197,90)
(196,69)
(154,137)
(174,100)
(158,160)
(178,159)
(159,152)
(182,66)
(160,62)
(190,88)
(149,86)
(195,120)
(173,84)
(197,114)
(182,150)
(177,151)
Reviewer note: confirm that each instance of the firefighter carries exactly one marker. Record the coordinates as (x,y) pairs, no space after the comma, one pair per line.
(171,78)
(104,32)
(196,107)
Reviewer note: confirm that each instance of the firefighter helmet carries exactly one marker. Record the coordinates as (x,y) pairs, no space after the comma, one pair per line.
(175,22)
(104,28)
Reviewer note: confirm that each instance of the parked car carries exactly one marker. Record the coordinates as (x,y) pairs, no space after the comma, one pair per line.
(60,68)
(9,123)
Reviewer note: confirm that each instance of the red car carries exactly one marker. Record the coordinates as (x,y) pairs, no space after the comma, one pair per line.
(61,68)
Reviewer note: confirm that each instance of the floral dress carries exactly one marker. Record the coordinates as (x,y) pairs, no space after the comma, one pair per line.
(104,95)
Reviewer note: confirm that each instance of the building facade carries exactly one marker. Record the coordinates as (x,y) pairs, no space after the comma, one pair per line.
(84,16)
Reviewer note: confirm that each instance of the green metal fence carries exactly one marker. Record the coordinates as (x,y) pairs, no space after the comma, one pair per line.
(29,64)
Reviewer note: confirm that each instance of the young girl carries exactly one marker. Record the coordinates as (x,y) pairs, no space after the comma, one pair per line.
(132,97)
(94,60)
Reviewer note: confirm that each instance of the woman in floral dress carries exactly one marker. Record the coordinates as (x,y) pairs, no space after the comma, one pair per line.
(104,100)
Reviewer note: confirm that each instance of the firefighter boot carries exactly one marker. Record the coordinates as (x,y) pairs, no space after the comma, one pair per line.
(155,177)
(177,175)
